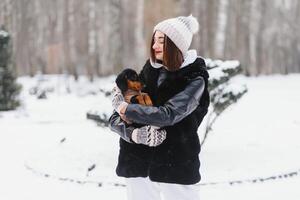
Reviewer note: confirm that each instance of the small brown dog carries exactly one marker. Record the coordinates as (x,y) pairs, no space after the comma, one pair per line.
(131,87)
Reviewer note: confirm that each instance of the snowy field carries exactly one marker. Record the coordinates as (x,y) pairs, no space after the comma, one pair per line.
(49,150)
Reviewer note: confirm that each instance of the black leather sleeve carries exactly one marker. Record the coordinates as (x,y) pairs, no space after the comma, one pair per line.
(116,124)
(173,111)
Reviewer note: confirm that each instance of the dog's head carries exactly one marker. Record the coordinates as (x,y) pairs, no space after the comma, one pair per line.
(128,79)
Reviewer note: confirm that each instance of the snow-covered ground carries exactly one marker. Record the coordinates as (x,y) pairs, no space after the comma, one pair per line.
(49,150)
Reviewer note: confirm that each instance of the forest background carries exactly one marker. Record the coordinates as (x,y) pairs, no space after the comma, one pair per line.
(100,37)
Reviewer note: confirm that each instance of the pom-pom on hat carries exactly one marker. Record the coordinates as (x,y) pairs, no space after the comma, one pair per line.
(180,30)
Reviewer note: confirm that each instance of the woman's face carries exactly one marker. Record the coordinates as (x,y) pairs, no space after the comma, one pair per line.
(158,45)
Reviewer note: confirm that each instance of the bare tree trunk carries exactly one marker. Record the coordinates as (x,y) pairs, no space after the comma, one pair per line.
(66,38)
(211,20)
(231,31)
(132,34)
(220,30)
(91,40)
(114,38)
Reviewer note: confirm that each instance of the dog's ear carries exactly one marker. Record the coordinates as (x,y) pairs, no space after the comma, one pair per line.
(121,82)
(132,75)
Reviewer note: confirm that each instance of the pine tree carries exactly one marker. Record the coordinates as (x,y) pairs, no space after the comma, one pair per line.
(223,92)
(9,89)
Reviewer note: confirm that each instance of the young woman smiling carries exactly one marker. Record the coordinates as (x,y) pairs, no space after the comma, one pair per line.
(162,157)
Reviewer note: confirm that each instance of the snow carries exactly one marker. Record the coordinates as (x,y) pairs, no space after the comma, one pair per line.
(219,72)
(47,146)
(3,33)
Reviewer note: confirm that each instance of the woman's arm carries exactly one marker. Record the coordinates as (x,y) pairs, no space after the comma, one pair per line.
(146,135)
(173,111)
(116,124)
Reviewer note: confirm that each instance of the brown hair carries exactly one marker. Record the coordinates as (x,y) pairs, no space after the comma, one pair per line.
(172,58)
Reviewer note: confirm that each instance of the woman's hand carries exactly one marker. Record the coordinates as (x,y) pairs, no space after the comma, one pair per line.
(149,135)
(119,104)
(118,101)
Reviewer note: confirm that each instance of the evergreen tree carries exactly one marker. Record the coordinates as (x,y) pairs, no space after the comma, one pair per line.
(9,89)
(223,91)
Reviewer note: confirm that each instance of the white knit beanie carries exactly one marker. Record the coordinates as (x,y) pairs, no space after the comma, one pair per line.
(180,30)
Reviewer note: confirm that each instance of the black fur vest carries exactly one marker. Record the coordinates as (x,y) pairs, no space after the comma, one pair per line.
(176,159)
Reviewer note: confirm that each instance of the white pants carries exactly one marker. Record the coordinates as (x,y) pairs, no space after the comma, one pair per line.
(145,189)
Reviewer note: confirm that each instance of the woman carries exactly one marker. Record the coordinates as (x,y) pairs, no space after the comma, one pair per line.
(162,156)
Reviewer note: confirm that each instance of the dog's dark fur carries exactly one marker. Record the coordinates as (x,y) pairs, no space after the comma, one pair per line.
(126,74)
(130,85)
